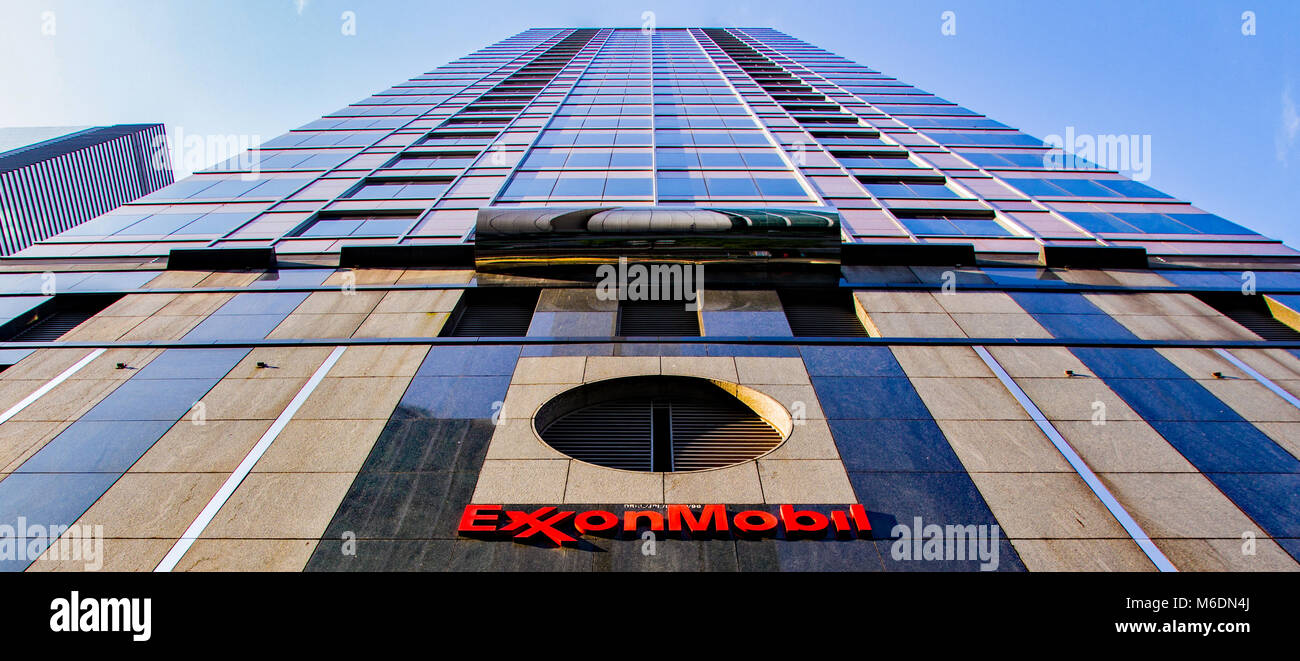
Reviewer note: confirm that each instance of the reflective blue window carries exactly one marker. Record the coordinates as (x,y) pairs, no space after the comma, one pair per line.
(1209,223)
(588,158)
(1095,222)
(630,158)
(216,223)
(546,158)
(762,159)
(1131,188)
(779,187)
(1083,188)
(902,190)
(681,184)
(731,186)
(1155,223)
(579,187)
(530,184)
(721,159)
(629,187)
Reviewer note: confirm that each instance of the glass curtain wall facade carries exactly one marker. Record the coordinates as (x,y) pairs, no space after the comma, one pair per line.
(300,365)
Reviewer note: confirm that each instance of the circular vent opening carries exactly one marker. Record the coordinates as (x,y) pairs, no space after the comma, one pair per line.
(663,423)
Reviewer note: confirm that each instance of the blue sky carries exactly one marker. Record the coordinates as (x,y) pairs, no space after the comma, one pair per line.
(1220,106)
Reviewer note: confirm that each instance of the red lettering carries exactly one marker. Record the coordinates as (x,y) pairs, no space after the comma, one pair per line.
(680,518)
(630,520)
(793,520)
(744,523)
(584,521)
(841,523)
(471,518)
(859,514)
(537,524)
(710,515)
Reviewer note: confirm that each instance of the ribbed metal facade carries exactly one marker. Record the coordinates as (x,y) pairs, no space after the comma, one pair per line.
(52,186)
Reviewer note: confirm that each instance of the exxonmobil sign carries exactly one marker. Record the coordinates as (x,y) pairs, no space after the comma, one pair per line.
(560,526)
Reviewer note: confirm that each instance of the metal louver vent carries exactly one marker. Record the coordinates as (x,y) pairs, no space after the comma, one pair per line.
(1251,312)
(616,434)
(676,424)
(821,313)
(54,326)
(492,313)
(718,434)
(55,318)
(657,318)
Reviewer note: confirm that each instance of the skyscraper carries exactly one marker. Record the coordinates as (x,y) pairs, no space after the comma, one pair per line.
(55,178)
(682,298)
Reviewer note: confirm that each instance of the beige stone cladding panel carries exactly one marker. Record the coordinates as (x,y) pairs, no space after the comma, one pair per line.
(1240,390)
(1112,277)
(905,314)
(1174,504)
(1169,316)
(272,521)
(44,418)
(177,279)
(146,511)
(1194,524)
(409,313)
(989,314)
(1044,508)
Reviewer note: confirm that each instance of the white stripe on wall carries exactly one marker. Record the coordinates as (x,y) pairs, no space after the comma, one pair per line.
(223,494)
(1080,466)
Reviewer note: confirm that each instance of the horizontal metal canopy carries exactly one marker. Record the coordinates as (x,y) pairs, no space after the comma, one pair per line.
(514,238)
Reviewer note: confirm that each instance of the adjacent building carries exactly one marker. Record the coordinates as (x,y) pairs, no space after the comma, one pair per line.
(671,299)
(55,178)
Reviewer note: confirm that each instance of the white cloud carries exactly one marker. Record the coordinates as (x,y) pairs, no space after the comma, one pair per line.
(1289,128)
(301,5)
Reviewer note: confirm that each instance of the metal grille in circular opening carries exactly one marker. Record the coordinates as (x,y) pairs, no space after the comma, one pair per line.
(662,423)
